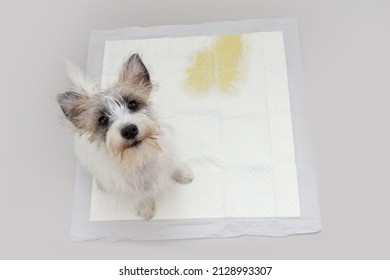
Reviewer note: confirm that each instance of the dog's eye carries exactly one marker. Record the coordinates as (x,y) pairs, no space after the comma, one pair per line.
(132,105)
(103,120)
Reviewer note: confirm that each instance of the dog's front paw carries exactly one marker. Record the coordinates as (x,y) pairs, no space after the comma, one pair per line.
(183,175)
(146,209)
(146,213)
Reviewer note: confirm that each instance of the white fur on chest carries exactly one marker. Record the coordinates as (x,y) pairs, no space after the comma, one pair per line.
(147,176)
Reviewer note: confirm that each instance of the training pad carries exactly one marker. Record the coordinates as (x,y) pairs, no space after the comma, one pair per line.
(231,93)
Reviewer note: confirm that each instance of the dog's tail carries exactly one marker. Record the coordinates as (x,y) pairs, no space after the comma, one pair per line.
(79,79)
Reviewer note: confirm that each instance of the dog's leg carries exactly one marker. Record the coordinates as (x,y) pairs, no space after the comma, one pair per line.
(183,174)
(146,208)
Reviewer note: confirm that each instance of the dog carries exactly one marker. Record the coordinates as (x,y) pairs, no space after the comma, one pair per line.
(118,137)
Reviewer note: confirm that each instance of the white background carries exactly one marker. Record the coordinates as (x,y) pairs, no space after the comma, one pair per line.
(345,47)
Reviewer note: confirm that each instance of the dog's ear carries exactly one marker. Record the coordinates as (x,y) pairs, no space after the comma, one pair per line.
(134,72)
(74,106)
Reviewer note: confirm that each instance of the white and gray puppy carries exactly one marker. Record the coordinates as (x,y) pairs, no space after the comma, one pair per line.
(118,137)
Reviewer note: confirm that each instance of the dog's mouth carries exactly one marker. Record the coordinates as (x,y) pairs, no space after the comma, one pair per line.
(135,143)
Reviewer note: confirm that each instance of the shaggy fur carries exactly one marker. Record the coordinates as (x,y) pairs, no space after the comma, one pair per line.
(118,137)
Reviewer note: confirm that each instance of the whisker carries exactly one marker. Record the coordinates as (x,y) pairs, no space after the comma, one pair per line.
(154,144)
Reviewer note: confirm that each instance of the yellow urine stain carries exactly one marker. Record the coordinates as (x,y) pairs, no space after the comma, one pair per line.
(217,66)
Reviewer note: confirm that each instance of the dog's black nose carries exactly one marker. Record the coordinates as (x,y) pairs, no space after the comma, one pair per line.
(129,132)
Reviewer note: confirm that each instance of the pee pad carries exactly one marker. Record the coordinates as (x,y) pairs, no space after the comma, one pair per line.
(232,94)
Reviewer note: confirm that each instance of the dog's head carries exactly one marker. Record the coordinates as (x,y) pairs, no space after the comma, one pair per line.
(119,117)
